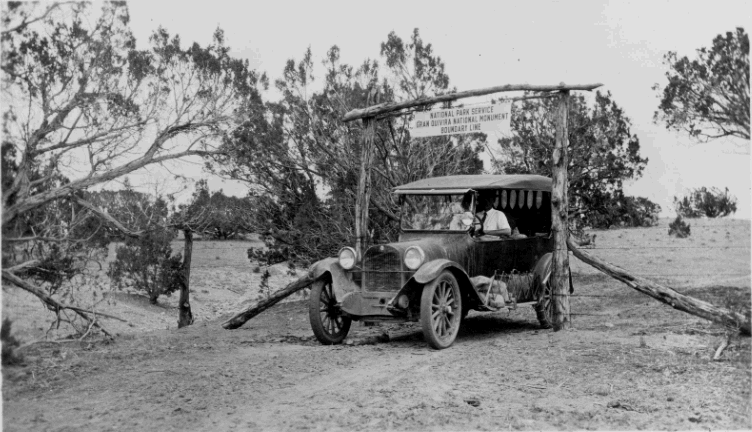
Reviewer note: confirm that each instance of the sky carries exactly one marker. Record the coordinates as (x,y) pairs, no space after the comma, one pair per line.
(489,43)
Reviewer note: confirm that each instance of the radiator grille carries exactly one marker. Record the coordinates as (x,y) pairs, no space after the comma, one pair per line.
(382,269)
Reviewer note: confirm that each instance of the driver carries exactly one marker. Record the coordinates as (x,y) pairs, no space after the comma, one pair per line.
(489,221)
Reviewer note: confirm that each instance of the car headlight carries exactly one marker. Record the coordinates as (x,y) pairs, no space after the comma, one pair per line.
(347,258)
(414,257)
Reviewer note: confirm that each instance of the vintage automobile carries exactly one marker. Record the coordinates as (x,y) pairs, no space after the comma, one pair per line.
(440,268)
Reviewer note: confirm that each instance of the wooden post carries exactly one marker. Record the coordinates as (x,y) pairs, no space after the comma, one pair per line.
(559,225)
(364,188)
(185,316)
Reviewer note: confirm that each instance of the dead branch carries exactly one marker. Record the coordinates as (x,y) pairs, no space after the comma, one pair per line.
(56,305)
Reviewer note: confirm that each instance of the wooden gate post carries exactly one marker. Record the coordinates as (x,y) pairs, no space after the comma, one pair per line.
(559,212)
(364,188)
(185,316)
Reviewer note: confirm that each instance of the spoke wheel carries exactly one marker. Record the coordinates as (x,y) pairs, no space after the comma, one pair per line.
(329,325)
(441,311)
(544,309)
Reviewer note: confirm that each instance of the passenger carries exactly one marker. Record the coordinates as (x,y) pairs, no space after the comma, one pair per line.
(419,221)
(489,222)
(459,209)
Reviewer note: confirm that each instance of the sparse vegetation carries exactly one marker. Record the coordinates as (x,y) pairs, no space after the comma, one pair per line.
(679,228)
(10,355)
(264,288)
(707,202)
(147,264)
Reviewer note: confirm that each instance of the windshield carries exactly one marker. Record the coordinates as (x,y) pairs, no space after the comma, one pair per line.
(437,212)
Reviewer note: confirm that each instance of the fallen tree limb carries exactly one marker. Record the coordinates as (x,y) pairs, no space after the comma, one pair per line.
(667,295)
(56,305)
(240,318)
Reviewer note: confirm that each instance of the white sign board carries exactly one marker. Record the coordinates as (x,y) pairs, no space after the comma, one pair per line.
(494,118)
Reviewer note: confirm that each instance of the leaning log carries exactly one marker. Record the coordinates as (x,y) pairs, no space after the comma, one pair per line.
(667,295)
(241,317)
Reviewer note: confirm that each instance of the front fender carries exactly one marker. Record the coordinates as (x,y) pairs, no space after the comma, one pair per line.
(430,271)
(342,282)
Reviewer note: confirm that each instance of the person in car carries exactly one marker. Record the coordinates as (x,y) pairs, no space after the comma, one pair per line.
(458,211)
(489,221)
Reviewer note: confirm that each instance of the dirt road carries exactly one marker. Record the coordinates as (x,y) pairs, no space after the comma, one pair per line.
(629,363)
(502,373)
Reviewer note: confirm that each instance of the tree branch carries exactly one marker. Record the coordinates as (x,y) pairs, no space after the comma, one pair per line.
(55,305)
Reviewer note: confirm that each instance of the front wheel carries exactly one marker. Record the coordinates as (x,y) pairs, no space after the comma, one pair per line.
(441,310)
(327,322)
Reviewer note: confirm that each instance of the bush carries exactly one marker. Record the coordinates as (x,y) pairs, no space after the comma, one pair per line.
(706,202)
(300,233)
(147,264)
(679,228)
(9,354)
(264,288)
(621,210)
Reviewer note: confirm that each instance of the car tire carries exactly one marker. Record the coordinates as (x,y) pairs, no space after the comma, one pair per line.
(327,322)
(441,310)
(544,308)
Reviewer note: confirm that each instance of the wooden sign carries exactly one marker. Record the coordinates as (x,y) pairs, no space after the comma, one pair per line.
(492,118)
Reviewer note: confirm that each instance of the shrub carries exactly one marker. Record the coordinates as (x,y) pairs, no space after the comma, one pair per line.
(264,288)
(706,202)
(9,354)
(147,264)
(621,210)
(679,228)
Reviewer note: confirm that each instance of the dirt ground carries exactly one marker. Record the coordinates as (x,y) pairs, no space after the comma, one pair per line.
(628,363)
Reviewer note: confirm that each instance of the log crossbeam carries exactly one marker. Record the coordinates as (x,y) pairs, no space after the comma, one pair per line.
(389,107)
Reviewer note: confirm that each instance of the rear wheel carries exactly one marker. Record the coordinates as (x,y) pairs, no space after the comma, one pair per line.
(544,309)
(329,325)
(441,310)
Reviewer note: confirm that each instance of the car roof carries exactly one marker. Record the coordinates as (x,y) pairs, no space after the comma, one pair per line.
(477,182)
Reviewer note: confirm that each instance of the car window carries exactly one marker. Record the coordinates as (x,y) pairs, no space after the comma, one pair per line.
(434,212)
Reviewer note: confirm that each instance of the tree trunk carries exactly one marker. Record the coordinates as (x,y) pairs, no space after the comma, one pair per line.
(364,189)
(185,317)
(559,222)
(667,295)
(240,318)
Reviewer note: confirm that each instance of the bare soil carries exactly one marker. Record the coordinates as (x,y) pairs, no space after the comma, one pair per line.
(628,363)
